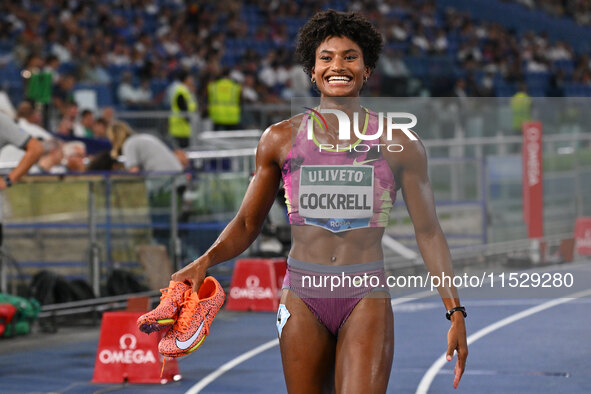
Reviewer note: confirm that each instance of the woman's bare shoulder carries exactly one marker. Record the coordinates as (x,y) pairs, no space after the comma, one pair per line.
(285,127)
(277,138)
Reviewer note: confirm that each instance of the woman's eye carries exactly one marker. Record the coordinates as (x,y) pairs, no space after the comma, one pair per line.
(352,57)
(326,58)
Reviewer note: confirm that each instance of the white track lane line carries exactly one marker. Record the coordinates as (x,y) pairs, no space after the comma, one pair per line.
(441,361)
(200,385)
(231,364)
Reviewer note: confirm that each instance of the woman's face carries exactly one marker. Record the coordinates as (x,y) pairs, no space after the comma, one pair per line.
(339,69)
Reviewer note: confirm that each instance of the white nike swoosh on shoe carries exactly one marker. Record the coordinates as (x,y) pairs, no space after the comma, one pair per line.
(184,345)
(360,163)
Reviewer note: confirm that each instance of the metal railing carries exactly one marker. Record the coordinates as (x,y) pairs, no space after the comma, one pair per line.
(99,223)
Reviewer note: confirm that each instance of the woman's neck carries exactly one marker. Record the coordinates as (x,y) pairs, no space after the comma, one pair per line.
(348,105)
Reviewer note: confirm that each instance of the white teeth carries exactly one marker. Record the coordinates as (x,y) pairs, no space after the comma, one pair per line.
(338,78)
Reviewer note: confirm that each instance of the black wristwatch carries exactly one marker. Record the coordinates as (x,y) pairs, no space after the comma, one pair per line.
(453,310)
(7,181)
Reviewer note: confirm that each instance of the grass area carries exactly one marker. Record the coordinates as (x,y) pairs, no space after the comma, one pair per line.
(556,162)
(28,200)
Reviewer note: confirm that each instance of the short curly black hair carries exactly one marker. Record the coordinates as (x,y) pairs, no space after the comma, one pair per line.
(331,23)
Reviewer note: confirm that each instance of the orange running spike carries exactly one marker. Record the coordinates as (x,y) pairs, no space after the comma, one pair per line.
(166,313)
(195,317)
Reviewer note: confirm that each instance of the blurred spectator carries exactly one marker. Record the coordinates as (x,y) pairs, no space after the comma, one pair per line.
(537,64)
(103,161)
(126,91)
(108,115)
(85,126)
(521,108)
(119,56)
(51,161)
(131,97)
(69,126)
(582,73)
(38,83)
(556,85)
(29,120)
(6,106)
(486,86)
(63,50)
(273,73)
(579,10)
(146,153)
(142,152)
(52,64)
(65,128)
(51,67)
(94,70)
(224,98)
(74,156)
(99,129)
(440,43)
(559,51)
(11,135)
(299,81)
(399,31)
(63,94)
(145,99)
(420,41)
(249,92)
(183,107)
(460,89)
(394,73)
(154,40)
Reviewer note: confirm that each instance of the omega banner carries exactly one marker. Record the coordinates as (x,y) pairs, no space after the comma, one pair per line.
(533,197)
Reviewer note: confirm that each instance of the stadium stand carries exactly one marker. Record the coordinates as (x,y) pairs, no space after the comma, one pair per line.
(490,44)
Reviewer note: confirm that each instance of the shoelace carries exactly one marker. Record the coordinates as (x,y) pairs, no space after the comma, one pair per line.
(188,306)
(165,293)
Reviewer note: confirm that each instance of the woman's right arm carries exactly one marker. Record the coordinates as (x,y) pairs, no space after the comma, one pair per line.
(246,225)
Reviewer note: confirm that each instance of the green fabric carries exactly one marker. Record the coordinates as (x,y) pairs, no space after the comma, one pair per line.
(21,327)
(26,311)
(88,133)
(39,88)
(224,101)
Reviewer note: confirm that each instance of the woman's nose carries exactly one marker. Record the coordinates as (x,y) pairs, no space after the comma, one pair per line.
(337,64)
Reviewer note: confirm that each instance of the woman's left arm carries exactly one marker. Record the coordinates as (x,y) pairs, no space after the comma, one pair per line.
(413,178)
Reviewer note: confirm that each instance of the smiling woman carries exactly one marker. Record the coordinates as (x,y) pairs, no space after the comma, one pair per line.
(338,338)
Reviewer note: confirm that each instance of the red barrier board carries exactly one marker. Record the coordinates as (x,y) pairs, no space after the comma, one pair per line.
(533,177)
(256,284)
(126,354)
(583,236)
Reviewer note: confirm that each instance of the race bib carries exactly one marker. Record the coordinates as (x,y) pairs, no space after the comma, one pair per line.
(336,192)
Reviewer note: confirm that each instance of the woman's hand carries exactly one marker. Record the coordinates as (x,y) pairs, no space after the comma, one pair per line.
(194,273)
(456,340)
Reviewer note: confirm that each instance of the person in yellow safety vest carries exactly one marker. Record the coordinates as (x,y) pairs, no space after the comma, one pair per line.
(520,107)
(223,96)
(182,100)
